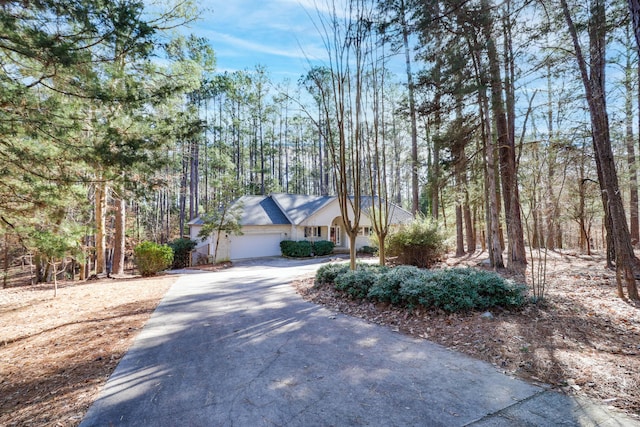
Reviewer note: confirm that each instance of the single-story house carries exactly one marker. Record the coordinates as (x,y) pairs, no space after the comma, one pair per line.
(268,220)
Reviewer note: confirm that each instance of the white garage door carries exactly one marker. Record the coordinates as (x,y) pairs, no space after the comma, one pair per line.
(255,245)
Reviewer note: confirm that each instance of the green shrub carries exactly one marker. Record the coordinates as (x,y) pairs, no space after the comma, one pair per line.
(368,250)
(323,247)
(328,272)
(463,289)
(419,291)
(452,290)
(418,243)
(152,258)
(387,286)
(298,249)
(181,251)
(356,283)
(286,247)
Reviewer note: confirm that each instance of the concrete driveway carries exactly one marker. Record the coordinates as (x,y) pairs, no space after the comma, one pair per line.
(240,348)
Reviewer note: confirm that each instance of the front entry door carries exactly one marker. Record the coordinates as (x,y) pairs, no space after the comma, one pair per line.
(334,235)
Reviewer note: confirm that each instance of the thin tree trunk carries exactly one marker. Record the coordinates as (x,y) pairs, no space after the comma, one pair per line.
(194,179)
(468,225)
(101,224)
(120,237)
(493,219)
(634,221)
(183,188)
(415,161)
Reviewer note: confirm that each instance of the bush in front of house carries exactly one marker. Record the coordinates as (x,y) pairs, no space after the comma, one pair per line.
(452,290)
(418,243)
(304,248)
(323,247)
(181,251)
(152,258)
(299,249)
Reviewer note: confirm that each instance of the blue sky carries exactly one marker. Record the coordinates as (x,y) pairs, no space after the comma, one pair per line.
(278,34)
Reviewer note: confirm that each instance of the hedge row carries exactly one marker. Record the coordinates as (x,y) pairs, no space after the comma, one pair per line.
(304,248)
(452,290)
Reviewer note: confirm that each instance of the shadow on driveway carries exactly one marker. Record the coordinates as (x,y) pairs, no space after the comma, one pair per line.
(239,347)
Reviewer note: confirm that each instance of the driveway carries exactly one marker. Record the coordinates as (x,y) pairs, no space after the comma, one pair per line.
(240,348)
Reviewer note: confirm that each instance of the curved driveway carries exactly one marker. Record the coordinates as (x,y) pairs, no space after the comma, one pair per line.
(240,348)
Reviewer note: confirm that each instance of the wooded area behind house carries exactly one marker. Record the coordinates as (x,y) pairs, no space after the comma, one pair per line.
(514,124)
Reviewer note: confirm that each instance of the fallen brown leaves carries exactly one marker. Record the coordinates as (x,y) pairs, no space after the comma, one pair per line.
(55,353)
(582,339)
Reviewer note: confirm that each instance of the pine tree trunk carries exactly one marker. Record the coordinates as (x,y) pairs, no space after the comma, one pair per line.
(493,218)
(634,221)
(468,226)
(594,84)
(120,236)
(515,249)
(101,225)
(194,180)
(415,162)
(459,231)
(183,189)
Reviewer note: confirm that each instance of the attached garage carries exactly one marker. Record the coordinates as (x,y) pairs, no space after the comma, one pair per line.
(255,245)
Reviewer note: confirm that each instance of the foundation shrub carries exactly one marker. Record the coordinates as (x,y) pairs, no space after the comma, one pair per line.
(299,249)
(323,247)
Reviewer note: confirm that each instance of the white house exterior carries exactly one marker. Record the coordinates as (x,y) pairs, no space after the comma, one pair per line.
(268,220)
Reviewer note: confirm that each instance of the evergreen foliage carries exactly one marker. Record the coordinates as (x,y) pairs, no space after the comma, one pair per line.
(419,243)
(322,247)
(305,248)
(151,258)
(299,249)
(181,251)
(451,290)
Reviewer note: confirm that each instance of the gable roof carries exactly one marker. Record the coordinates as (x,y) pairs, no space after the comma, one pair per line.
(397,215)
(286,209)
(260,210)
(299,207)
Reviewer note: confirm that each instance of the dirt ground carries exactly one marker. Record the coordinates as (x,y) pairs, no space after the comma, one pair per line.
(582,339)
(56,353)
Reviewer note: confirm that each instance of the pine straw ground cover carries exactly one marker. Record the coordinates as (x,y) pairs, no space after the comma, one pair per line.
(56,353)
(581,340)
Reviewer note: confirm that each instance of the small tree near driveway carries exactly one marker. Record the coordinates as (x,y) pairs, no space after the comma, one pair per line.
(226,219)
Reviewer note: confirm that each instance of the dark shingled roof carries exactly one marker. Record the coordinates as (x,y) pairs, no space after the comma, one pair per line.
(286,209)
(299,207)
(260,210)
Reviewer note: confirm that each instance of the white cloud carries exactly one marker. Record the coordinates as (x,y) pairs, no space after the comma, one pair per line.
(253,46)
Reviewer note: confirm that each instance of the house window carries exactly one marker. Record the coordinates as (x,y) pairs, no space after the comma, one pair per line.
(312,232)
(365,231)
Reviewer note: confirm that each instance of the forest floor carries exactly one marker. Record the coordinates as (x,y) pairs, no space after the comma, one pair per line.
(56,353)
(582,339)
